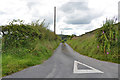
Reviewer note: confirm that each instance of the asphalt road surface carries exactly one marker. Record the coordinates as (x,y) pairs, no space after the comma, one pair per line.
(66,63)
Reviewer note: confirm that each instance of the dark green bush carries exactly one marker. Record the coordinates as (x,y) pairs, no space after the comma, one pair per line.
(19,34)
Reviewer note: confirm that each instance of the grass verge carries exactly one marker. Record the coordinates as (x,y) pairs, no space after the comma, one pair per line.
(87,45)
(16,59)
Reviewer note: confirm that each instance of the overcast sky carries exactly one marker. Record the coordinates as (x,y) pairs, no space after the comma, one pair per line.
(73,16)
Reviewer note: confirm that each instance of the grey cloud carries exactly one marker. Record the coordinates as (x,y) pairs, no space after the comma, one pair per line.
(79,13)
(1,13)
(67,29)
(72,6)
(31,4)
(77,19)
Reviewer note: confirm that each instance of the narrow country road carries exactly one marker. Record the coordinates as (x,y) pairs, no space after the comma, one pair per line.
(66,63)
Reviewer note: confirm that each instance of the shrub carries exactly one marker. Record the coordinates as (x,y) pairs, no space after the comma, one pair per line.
(19,34)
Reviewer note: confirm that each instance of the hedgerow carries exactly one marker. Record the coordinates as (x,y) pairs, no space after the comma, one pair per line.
(17,33)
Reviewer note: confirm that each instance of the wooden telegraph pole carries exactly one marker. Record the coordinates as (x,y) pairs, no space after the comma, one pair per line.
(54,20)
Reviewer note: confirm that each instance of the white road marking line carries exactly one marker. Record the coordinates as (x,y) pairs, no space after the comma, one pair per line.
(93,70)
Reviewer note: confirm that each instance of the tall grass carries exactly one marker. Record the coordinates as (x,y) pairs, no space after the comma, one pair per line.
(107,36)
(89,44)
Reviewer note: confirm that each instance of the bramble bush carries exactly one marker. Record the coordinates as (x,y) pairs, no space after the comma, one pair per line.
(107,36)
(17,33)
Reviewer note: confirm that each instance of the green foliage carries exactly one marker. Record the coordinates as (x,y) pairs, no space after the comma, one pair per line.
(63,41)
(16,59)
(88,45)
(107,36)
(69,37)
(19,34)
(25,45)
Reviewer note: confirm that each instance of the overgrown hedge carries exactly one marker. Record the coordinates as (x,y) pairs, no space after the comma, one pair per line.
(17,33)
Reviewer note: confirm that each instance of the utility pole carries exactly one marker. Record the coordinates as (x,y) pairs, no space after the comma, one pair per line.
(61,32)
(54,20)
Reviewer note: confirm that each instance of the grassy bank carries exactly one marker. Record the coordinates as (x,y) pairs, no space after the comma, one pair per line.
(16,59)
(86,44)
(26,49)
